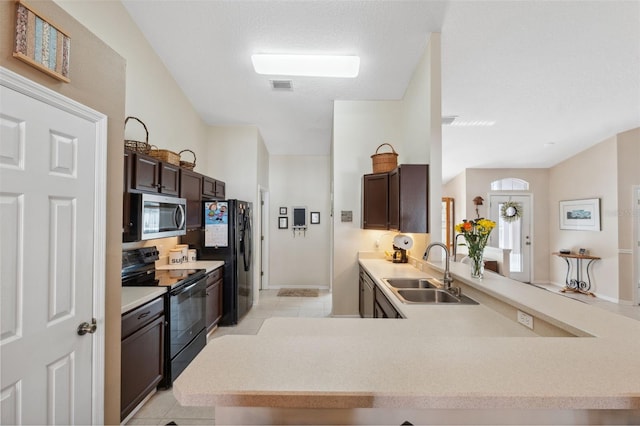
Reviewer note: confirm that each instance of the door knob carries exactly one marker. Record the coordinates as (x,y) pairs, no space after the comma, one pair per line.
(85,327)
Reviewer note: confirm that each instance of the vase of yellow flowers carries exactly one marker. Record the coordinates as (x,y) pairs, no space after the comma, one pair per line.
(476,234)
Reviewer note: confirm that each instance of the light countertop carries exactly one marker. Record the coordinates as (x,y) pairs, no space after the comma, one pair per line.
(440,357)
(132,297)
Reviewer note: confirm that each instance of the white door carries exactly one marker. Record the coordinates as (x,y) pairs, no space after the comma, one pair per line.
(52,273)
(513,234)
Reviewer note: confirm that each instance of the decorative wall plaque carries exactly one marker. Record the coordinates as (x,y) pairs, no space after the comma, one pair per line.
(41,44)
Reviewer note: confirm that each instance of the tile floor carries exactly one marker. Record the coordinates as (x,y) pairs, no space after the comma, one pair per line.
(163,408)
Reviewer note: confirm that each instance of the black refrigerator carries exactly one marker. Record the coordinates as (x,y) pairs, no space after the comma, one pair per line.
(227,236)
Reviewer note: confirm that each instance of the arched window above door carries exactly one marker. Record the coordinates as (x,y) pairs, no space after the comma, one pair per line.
(510,184)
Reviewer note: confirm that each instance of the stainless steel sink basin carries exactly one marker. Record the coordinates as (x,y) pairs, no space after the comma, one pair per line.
(411,282)
(432,296)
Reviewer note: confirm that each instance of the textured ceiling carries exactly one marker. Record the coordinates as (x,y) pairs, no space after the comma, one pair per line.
(565,72)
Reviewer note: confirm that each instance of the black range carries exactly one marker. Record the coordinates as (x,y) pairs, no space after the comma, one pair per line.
(184,305)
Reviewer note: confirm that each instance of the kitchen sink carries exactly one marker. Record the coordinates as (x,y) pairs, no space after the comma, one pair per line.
(432,296)
(412,282)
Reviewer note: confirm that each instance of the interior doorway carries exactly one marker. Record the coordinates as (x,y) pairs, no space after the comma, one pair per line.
(263,240)
(512,214)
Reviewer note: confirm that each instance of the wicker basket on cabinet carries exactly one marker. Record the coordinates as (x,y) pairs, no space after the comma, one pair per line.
(187,164)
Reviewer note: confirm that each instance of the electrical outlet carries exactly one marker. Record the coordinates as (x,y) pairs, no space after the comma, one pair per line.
(525,319)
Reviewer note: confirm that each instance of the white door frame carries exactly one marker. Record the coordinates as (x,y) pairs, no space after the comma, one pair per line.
(29,88)
(635,213)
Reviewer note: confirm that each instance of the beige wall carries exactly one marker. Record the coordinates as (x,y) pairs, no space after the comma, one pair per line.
(233,155)
(300,259)
(152,94)
(98,81)
(422,115)
(456,188)
(590,174)
(238,156)
(628,177)
(359,127)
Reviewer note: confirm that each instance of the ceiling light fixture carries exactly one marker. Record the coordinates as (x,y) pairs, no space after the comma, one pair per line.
(474,123)
(307,65)
(447,120)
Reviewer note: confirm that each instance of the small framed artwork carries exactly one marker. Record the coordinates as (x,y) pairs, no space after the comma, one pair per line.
(283,222)
(283,210)
(580,215)
(41,44)
(315,218)
(583,252)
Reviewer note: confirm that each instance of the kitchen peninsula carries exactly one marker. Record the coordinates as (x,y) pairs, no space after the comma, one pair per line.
(440,364)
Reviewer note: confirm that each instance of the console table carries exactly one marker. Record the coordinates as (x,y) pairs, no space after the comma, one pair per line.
(576,284)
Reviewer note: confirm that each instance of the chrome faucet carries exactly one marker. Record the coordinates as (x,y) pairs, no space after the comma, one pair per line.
(447,280)
(454,253)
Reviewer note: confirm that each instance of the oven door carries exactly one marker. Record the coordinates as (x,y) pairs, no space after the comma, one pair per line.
(186,314)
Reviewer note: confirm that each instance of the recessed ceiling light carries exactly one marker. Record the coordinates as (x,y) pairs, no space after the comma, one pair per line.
(549,144)
(448,119)
(473,123)
(307,65)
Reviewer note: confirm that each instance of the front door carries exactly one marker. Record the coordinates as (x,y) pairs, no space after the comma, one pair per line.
(48,172)
(513,232)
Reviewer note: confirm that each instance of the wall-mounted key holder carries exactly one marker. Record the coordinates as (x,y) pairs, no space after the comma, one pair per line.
(299,220)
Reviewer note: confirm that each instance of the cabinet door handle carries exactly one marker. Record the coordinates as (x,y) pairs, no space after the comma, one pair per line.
(144,314)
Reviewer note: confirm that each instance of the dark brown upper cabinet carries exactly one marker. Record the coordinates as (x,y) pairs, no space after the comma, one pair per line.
(213,188)
(191,190)
(397,200)
(151,175)
(375,201)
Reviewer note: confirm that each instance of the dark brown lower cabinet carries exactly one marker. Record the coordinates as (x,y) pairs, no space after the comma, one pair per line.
(366,286)
(382,307)
(213,311)
(142,354)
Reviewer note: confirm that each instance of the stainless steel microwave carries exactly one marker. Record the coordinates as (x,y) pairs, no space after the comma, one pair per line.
(155,216)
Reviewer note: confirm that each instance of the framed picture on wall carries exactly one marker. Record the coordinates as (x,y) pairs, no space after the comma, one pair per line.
(283,210)
(580,215)
(283,222)
(315,218)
